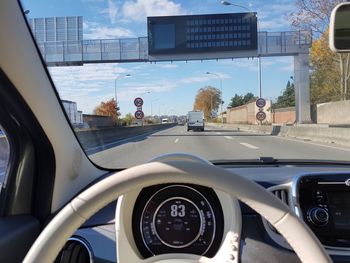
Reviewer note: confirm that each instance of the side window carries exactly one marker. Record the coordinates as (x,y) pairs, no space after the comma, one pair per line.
(4,156)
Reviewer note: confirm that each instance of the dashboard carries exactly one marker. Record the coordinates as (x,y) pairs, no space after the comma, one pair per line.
(196,220)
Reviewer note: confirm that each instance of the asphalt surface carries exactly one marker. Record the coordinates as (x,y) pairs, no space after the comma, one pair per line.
(4,156)
(215,144)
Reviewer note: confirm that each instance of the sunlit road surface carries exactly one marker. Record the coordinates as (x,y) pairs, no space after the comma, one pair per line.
(216,144)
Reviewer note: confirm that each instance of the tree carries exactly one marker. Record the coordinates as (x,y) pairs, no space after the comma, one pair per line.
(326,76)
(108,108)
(236,101)
(207,100)
(239,100)
(315,15)
(128,119)
(287,99)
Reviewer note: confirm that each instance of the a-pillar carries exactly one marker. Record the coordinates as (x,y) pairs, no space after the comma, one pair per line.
(302,88)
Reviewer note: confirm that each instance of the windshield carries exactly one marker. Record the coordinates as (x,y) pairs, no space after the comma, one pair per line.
(222,80)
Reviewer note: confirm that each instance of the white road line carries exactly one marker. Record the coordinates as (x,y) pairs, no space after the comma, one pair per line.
(228,137)
(219,133)
(177,140)
(313,143)
(248,145)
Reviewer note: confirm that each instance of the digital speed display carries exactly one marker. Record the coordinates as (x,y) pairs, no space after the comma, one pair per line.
(172,35)
(177,219)
(178,222)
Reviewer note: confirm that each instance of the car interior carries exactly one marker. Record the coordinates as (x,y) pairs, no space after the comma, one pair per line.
(58,206)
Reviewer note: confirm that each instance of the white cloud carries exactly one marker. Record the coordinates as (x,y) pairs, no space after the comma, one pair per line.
(204,78)
(87,85)
(94,30)
(132,90)
(138,10)
(275,16)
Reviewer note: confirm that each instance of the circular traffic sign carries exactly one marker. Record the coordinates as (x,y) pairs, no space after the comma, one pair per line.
(138,102)
(260,116)
(260,103)
(139,114)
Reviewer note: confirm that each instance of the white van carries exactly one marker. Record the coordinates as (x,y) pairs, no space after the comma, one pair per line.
(195,120)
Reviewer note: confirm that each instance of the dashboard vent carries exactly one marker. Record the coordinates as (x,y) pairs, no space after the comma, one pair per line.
(281,194)
(76,250)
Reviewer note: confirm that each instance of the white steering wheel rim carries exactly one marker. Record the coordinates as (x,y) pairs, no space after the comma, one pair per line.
(74,214)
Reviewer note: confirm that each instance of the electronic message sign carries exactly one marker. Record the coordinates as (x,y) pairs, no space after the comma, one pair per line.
(202,33)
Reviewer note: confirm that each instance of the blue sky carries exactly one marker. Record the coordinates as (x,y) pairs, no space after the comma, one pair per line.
(171,86)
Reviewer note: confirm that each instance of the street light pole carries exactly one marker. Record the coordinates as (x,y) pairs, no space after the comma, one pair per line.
(228,3)
(115,86)
(260,93)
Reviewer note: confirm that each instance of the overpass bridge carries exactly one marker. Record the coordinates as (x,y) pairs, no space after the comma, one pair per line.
(76,53)
(291,43)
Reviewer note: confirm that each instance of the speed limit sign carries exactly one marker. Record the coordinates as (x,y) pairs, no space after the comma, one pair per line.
(138,102)
(139,114)
(260,103)
(260,116)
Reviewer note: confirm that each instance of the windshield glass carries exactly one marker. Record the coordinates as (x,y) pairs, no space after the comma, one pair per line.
(222,80)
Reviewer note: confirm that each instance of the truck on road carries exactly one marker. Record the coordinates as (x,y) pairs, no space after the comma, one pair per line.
(195,120)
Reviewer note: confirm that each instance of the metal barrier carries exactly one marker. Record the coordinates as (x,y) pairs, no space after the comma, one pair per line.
(136,49)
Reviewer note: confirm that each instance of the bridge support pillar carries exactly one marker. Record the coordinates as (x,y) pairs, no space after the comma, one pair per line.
(302,88)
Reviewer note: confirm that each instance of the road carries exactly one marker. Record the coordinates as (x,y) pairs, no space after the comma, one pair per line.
(215,144)
(4,156)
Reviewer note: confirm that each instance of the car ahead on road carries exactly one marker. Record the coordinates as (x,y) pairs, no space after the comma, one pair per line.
(153,197)
(195,121)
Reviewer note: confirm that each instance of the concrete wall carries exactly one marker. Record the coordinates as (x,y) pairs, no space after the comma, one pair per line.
(96,121)
(312,132)
(283,115)
(101,137)
(246,114)
(334,112)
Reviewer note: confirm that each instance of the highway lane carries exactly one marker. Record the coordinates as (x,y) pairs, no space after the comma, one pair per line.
(4,156)
(215,144)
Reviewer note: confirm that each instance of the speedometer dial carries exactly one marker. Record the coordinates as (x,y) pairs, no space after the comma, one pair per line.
(177,222)
(177,219)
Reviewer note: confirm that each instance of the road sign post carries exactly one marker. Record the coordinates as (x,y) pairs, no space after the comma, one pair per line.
(139,115)
(260,116)
(138,102)
(260,103)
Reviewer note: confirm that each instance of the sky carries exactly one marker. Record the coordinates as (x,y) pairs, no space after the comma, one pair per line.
(167,88)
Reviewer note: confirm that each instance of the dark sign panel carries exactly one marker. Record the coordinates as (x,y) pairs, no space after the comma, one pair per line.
(202,33)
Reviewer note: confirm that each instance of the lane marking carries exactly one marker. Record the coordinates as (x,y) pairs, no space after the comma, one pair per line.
(177,140)
(219,133)
(228,137)
(248,145)
(313,143)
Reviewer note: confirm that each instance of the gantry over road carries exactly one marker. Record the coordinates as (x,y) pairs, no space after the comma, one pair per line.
(75,53)
(291,43)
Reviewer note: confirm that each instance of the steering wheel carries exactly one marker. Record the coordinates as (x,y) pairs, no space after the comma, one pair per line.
(75,213)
